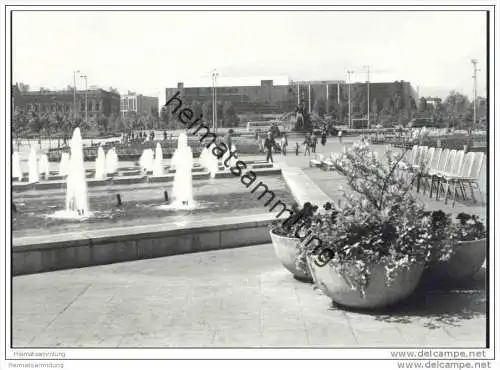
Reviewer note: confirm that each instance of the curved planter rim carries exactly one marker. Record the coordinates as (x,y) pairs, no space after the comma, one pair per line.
(286,251)
(378,294)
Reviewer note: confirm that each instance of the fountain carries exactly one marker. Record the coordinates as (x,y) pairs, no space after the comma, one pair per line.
(182,160)
(43,166)
(76,183)
(16,167)
(211,161)
(33,166)
(146,160)
(64,165)
(100,164)
(158,161)
(111,161)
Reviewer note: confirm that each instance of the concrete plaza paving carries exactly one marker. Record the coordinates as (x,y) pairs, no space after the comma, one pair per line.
(233,298)
(229,298)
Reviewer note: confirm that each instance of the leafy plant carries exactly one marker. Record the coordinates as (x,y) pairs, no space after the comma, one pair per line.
(468,227)
(381,222)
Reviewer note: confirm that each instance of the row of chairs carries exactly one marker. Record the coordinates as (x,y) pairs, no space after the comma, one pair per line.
(446,170)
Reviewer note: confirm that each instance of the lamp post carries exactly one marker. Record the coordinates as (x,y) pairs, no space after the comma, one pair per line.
(368,92)
(474,77)
(74,94)
(215,74)
(349,73)
(86,106)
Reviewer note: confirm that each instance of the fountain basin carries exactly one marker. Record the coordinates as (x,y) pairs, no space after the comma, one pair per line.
(63,251)
(129,180)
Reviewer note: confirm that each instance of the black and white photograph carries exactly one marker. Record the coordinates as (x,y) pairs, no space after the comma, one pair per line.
(249,181)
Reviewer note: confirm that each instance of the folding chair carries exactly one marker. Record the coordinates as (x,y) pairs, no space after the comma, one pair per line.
(453,171)
(426,159)
(450,160)
(433,167)
(465,172)
(472,177)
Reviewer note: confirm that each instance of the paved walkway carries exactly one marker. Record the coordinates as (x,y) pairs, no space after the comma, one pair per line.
(231,298)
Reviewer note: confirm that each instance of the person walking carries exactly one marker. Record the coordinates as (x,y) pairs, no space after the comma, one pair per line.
(340,136)
(307,145)
(323,137)
(228,139)
(297,148)
(269,144)
(314,142)
(284,144)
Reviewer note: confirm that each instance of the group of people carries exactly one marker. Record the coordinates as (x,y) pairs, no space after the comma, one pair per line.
(270,144)
(310,143)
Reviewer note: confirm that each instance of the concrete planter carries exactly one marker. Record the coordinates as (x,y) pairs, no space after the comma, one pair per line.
(465,262)
(286,249)
(336,285)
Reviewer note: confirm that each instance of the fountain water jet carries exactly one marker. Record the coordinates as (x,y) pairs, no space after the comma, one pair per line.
(111,161)
(64,165)
(33,166)
(16,167)
(146,160)
(211,161)
(76,183)
(158,161)
(100,164)
(182,160)
(43,166)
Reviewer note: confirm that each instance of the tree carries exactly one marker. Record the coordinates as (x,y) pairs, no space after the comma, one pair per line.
(207,111)
(319,107)
(229,114)
(164,116)
(422,105)
(197,109)
(375,108)
(388,106)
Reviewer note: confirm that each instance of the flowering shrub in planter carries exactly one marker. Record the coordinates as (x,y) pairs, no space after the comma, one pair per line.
(379,227)
(290,238)
(464,242)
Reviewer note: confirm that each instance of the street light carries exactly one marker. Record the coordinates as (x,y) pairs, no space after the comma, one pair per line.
(349,73)
(74,94)
(215,74)
(86,106)
(474,77)
(368,91)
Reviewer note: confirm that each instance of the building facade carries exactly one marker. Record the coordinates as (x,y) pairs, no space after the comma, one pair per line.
(268,98)
(138,103)
(99,102)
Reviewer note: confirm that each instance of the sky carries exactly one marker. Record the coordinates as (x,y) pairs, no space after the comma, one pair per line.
(145,52)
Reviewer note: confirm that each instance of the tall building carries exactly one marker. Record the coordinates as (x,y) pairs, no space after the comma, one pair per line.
(99,102)
(138,103)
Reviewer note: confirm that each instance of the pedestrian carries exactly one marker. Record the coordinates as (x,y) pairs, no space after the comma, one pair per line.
(228,139)
(314,142)
(340,136)
(323,138)
(284,144)
(307,145)
(164,135)
(297,148)
(269,144)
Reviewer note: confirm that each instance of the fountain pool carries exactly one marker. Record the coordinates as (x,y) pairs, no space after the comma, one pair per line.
(142,204)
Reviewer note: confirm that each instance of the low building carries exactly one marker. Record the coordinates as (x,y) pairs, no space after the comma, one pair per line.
(138,103)
(99,102)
